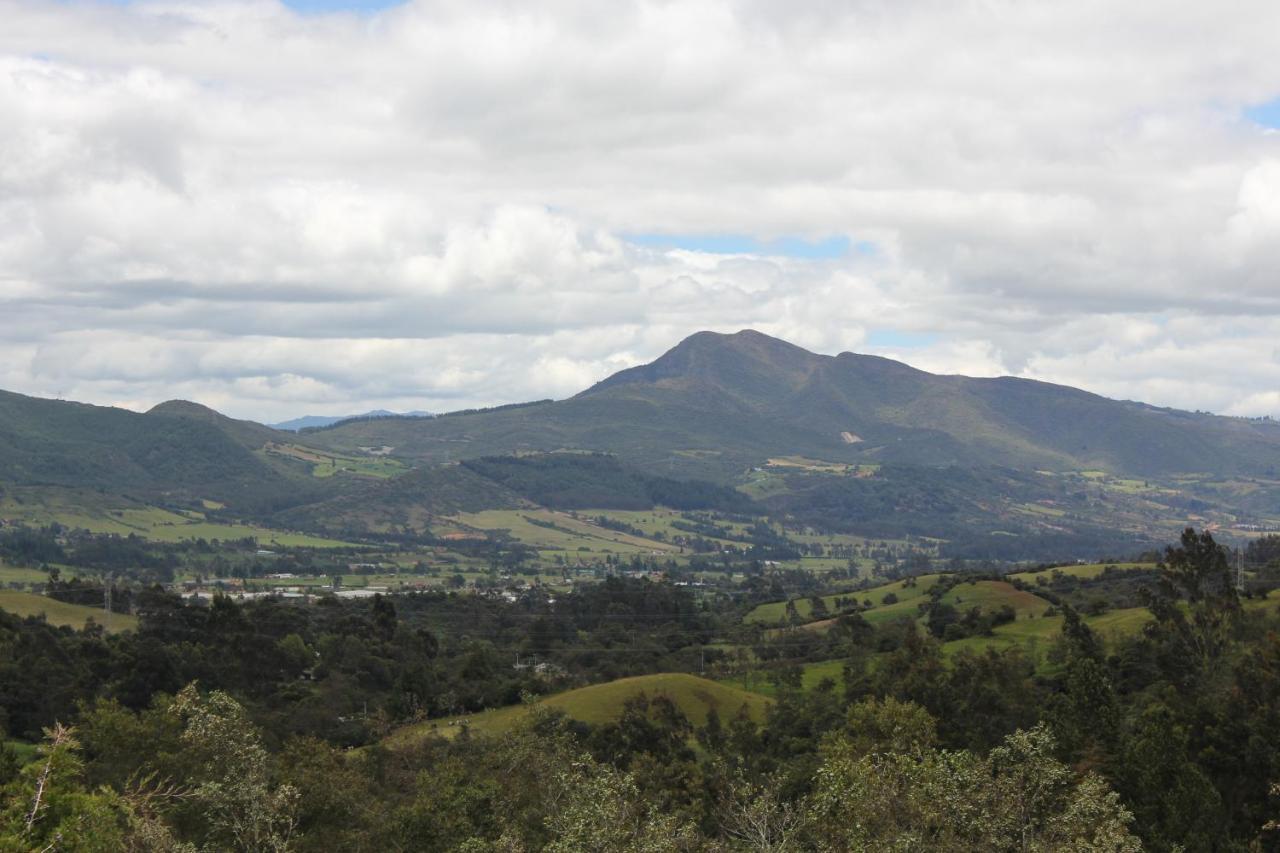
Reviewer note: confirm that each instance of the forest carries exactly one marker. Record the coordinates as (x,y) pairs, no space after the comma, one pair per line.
(272,726)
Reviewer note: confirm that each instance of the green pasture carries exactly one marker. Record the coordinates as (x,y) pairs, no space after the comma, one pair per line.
(15,574)
(61,613)
(811,675)
(328,464)
(603,703)
(992,595)
(86,511)
(1083,571)
(775,612)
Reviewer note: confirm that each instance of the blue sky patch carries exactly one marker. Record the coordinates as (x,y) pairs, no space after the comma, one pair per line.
(1267,115)
(895,338)
(827,248)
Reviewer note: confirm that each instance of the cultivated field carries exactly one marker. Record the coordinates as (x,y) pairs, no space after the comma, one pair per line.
(86,511)
(552,530)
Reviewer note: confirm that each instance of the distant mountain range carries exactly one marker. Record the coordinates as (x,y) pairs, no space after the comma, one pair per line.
(716,404)
(850,442)
(316,421)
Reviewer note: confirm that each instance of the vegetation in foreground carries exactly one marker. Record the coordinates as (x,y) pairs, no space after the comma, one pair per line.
(231,727)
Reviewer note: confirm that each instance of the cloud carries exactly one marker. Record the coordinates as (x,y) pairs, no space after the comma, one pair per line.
(428,206)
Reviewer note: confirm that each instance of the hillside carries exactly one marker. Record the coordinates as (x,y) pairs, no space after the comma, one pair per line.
(717,403)
(178,451)
(603,703)
(61,613)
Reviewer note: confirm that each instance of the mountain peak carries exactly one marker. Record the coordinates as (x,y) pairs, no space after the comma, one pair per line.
(184,409)
(713,357)
(247,432)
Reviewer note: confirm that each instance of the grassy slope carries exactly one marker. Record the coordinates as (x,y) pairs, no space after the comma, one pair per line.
(986,595)
(602,703)
(1090,570)
(774,612)
(61,613)
(87,510)
(991,595)
(14,574)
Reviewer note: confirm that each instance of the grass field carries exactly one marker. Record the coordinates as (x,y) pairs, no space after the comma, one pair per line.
(992,595)
(77,509)
(811,675)
(988,596)
(1084,571)
(61,613)
(775,612)
(26,752)
(328,464)
(602,703)
(1035,635)
(14,574)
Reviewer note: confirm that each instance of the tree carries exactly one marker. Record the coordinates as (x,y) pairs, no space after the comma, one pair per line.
(603,809)
(758,816)
(1176,805)
(48,807)
(892,790)
(234,791)
(1196,609)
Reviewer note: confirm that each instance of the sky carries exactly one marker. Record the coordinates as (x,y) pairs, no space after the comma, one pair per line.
(329,206)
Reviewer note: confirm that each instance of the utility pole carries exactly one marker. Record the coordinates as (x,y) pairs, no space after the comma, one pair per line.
(106,601)
(1240,570)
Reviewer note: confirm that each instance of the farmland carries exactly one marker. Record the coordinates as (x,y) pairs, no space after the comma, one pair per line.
(329,464)
(558,531)
(83,510)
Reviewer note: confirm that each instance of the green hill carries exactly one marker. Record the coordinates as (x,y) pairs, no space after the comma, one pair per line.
(602,703)
(904,600)
(176,452)
(1083,570)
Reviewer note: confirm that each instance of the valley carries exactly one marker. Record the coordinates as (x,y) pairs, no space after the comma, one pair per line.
(689,574)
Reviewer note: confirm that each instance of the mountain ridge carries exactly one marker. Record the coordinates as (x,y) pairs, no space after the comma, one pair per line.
(711,407)
(721,401)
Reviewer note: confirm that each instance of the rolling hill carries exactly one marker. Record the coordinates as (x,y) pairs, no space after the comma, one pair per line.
(177,451)
(603,703)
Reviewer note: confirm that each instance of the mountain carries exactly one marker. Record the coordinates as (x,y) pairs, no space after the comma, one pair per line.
(178,451)
(934,455)
(716,404)
(317,421)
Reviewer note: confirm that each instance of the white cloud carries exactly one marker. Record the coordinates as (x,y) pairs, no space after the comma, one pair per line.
(424,208)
